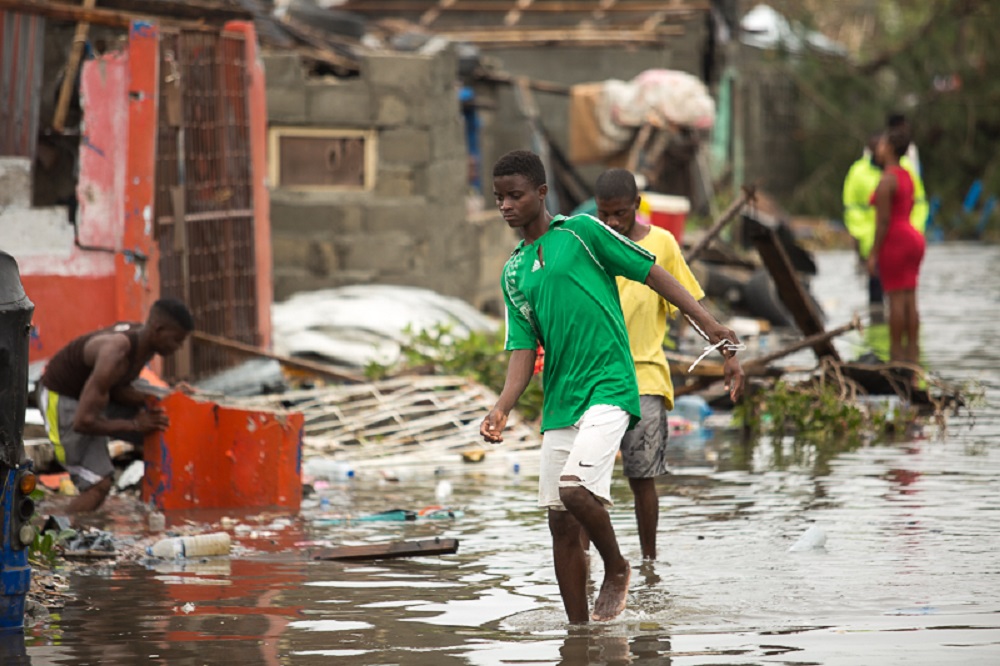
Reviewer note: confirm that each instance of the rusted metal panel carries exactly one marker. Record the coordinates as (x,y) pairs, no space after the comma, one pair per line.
(207,250)
(22,43)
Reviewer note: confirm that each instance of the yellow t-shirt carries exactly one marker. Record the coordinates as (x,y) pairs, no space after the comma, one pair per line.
(646,315)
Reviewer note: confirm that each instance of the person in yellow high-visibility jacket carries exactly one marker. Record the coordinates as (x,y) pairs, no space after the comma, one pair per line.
(859,214)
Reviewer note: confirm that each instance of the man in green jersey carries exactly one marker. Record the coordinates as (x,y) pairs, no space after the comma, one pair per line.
(560,292)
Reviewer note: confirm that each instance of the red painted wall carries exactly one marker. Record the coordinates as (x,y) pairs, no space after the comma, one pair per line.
(115,276)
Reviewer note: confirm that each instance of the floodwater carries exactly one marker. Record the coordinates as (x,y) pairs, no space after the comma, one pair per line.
(909,573)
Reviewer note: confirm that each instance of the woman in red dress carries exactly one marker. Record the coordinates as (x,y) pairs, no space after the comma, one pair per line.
(898,248)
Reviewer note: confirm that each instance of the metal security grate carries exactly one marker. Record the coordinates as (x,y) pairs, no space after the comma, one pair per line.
(204,199)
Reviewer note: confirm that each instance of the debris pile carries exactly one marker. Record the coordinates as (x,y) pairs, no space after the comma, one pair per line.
(409,419)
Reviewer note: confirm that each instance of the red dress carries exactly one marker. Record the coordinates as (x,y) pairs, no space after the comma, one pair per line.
(903,248)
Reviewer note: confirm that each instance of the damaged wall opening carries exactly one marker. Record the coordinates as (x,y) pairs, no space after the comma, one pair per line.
(56,159)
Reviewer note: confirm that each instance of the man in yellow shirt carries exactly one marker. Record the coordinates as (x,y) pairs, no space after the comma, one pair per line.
(644,447)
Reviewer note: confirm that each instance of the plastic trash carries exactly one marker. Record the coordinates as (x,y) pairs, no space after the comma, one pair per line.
(325,468)
(814,538)
(216,543)
(440,513)
(157,522)
(443,490)
(391,515)
(692,407)
(132,476)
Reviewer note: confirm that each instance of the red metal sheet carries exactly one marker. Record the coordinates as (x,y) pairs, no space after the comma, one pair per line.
(214,456)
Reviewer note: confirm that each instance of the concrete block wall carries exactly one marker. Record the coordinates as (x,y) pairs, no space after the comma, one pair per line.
(411,227)
(27,232)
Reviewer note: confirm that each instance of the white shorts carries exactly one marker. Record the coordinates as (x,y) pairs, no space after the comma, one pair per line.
(586,450)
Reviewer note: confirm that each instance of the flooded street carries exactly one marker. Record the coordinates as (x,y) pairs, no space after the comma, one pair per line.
(909,573)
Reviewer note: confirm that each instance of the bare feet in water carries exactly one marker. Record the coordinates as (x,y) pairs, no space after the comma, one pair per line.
(611,600)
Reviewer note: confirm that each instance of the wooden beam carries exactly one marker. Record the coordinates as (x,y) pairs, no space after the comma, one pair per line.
(582,36)
(789,287)
(312,367)
(431,14)
(72,65)
(578,7)
(812,340)
(188,10)
(58,11)
(746,196)
(384,551)
(317,40)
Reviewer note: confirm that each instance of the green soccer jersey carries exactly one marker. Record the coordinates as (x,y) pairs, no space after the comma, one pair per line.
(560,291)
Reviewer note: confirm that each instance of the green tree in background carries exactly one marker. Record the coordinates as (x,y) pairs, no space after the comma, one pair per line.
(934,60)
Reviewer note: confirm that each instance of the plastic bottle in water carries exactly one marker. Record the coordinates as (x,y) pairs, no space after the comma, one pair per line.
(217,543)
(692,407)
(325,468)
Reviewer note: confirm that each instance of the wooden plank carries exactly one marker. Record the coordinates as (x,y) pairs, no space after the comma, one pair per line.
(582,36)
(385,551)
(192,10)
(72,65)
(58,11)
(525,6)
(319,369)
(746,196)
(790,289)
(811,341)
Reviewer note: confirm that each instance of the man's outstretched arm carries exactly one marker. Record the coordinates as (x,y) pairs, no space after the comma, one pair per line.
(664,284)
(520,368)
(667,286)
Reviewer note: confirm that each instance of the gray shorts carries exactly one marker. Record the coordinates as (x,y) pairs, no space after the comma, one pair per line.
(644,448)
(85,457)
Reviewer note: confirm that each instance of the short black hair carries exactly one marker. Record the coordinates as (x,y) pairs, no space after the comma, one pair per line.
(616,184)
(899,139)
(176,311)
(521,163)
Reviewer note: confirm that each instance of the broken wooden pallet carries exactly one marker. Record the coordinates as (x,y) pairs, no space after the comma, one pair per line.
(429,414)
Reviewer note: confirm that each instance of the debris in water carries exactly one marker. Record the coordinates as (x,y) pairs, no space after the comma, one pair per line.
(813,539)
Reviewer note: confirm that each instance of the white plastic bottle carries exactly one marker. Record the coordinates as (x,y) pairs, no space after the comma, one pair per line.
(325,468)
(217,543)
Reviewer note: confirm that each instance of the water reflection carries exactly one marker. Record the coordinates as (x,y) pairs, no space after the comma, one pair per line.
(12,649)
(908,574)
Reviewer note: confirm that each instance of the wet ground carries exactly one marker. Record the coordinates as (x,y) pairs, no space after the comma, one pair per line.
(909,573)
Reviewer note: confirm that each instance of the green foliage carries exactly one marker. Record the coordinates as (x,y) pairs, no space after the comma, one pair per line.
(935,61)
(809,424)
(818,412)
(479,356)
(44,550)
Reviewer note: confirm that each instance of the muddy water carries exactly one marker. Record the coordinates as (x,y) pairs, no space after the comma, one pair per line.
(908,575)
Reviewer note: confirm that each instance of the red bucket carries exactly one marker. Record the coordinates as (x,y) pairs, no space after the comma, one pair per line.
(668,212)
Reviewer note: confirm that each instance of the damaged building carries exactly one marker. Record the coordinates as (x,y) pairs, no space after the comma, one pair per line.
(132,164)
